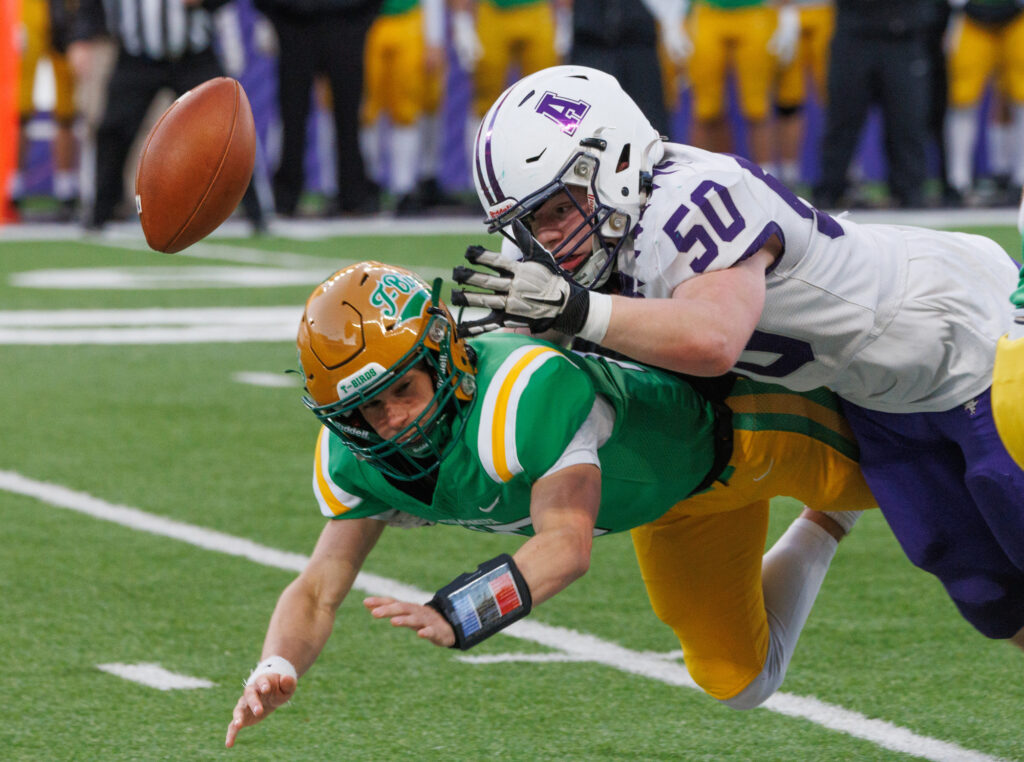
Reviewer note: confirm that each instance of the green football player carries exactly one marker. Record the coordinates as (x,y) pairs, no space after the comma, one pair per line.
(508,433)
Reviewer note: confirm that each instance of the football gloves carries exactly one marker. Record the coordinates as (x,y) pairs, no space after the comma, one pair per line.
(533,293)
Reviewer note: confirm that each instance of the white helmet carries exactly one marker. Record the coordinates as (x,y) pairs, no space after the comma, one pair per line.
(568,126)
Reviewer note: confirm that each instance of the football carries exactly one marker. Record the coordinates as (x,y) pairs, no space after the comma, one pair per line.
(195,165)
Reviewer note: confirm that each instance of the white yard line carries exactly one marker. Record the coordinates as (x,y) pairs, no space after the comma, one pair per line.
(269,380)
(155,325)
(153,675)
(161,278)
(154,316)
(576,645)
(130,233)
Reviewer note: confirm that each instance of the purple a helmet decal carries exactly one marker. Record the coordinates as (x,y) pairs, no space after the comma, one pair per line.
(564,112)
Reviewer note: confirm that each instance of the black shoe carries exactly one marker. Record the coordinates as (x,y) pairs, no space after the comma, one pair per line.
(67,211)
(952,198)
(258,225)
(911,201)
(825,201)
(408,205)
(432,195)
(1010,195)
(356,208)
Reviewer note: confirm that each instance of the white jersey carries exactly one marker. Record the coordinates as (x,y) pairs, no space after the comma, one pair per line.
(892,318)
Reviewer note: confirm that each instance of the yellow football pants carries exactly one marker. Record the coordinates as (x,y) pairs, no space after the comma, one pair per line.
(35,17)
(522,34)
(701,561)
(1008,396)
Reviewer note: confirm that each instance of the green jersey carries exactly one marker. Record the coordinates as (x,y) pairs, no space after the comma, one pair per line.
(506,4)
(533,399)
(733,5)
(397,7)
(1017,297)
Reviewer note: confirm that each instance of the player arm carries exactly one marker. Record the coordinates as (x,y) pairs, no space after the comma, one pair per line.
(564,503)
(563,510)
(563,507)
(304,617)
(703,328)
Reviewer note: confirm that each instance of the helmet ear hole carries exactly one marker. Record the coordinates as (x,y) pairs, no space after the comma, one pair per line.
(623,162)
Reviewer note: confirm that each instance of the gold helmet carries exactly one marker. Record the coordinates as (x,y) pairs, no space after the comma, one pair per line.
(363,329)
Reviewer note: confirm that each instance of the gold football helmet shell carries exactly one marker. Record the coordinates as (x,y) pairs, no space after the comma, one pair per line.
(362,330)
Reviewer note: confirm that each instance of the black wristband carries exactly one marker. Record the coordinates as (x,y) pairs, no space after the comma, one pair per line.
(483,602)
(574,315)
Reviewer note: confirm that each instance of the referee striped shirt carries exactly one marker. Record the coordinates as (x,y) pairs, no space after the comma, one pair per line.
(161,30)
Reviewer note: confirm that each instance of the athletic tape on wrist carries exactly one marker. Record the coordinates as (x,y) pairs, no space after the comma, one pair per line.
(277,665)
(598,318)
(483,602)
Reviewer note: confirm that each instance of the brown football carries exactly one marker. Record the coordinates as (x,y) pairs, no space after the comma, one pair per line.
(195,165)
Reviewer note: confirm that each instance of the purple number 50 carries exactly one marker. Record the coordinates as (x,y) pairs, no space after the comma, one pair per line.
(726,230)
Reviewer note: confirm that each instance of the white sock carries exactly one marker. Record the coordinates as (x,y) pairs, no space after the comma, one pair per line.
(369,145)
(65,185)
(961,133)
(789,172)
(405,148)
(430,145)
(791,576)
(1017,157)
(16,188)
(327,147)
(472,125)
(1000,154)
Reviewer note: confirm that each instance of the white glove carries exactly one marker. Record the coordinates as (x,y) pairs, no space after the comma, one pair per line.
(676,42)
(465,41)
(533,293)
(787,32)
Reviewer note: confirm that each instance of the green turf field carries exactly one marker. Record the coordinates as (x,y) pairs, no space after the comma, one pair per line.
(121,409)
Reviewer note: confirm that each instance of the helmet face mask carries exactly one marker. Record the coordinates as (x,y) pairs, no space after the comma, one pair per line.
(584,251)
(364,330)
(564,127)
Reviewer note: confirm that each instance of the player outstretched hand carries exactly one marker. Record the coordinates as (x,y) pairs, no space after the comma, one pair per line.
(426,621)
(265,694)
(533,293)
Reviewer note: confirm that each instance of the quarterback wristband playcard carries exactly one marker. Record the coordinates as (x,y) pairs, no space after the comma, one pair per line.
(481,603)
